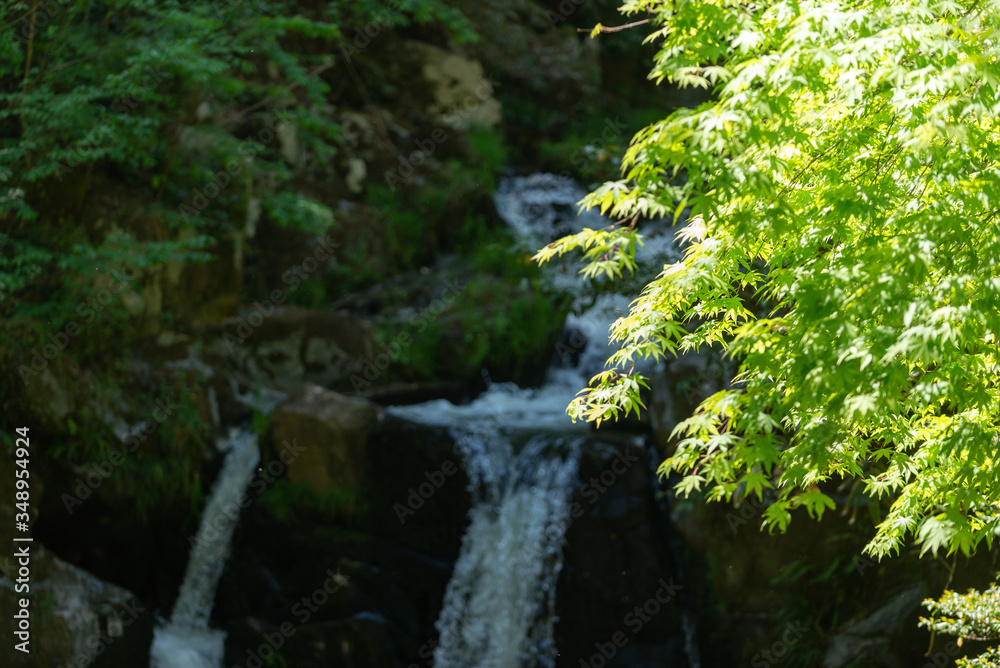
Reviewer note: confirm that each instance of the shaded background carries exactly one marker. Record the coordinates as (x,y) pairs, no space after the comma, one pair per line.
(208,210)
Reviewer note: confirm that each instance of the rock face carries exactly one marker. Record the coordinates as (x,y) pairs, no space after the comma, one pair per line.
(328,432)
(618,595)
(461,94)
(809,592)
(409,478)
(283,347)
(361,589)
(76,619)
(869,640)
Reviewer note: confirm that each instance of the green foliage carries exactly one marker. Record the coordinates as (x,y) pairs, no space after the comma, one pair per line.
(292,210)
(286,501)
(187,106)
(489,153)
(973,616)
(502,323)
(160,468)
(592,149)
(511,334)
(444,214)
(843,187)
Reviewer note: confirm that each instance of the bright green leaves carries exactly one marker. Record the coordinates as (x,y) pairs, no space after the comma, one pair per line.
(815,503)
(974,615)
(607,253)
(843,189)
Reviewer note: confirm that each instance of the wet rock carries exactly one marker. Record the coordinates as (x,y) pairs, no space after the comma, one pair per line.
(365,639)
(869,640)
(392,555)
(618,597)
(408,477)
(76,618)
(328,432)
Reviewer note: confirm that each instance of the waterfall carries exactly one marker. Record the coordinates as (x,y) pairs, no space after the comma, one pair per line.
(542,207)
(187,641)
(499,607)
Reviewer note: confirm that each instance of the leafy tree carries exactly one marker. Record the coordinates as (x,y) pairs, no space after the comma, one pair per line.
(142,134)
(973,616)
(171,109)
(842,189)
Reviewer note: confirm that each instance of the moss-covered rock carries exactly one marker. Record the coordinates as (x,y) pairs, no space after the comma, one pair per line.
(76,618)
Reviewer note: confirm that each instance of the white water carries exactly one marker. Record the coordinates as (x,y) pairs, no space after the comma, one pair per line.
(542,207)
(499,607)
(505,405)
(187,641)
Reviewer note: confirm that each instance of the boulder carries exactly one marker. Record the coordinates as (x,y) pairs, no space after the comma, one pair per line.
(618,593)
(330,430)
(869,640)
(408,478)
(76,619)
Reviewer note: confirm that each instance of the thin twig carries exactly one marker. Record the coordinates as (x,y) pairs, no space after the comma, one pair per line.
(617,28)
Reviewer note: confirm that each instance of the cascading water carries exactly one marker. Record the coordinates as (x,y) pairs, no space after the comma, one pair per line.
(187,641)
(499,606)
(542,207)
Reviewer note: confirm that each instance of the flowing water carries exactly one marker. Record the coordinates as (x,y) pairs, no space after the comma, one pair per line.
(187,641)
(521,453)
(499,607)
